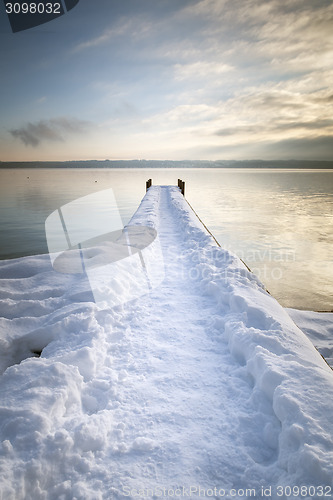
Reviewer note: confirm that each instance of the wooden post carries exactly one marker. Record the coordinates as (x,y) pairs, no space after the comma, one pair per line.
(148,184)
(181,185)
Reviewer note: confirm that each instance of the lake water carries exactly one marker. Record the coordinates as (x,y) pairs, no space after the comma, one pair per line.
(280,222)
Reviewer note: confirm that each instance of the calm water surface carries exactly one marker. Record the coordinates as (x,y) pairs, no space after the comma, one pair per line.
(280,222)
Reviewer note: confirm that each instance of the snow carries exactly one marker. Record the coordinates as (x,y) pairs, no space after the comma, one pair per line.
(318,326)
(201,386)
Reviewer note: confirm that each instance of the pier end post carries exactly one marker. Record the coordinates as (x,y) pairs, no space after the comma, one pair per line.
(181,185)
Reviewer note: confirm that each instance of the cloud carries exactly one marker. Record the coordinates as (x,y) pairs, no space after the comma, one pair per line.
(232,76)
(315,148)
(301,149)
(55,129)
(273,36)
(106,36)
(276,127)
(200,69)
(135,28)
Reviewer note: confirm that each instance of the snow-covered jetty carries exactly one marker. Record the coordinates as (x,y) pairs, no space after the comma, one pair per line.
(200,387)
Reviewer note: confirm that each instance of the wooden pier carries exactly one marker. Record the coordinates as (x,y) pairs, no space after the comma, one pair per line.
(181,185)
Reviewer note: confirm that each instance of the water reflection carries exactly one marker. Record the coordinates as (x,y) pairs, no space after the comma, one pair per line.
(279,222)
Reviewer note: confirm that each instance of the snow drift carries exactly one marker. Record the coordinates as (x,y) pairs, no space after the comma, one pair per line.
(204,382)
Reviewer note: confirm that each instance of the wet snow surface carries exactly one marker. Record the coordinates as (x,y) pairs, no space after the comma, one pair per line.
(202,387)
(318,327)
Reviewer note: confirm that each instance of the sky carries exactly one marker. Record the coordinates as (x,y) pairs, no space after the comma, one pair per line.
(170,79)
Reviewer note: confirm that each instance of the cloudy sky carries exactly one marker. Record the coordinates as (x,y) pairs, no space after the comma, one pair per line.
(170,79)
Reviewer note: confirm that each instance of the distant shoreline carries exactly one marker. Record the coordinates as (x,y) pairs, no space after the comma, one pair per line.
(287,164)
